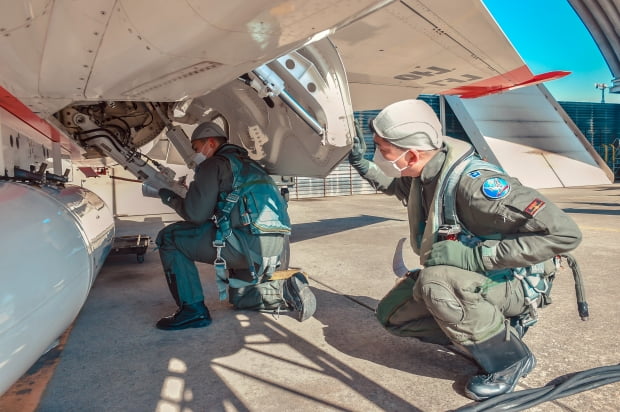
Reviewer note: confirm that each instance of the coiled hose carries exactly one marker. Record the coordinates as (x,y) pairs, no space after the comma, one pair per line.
(521,400)
(575,383)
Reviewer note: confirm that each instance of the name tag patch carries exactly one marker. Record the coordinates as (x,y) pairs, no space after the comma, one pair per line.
(495,188)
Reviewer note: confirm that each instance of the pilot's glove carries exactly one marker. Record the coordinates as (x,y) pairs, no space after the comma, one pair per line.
(356,156)
(168,196)
(454,253)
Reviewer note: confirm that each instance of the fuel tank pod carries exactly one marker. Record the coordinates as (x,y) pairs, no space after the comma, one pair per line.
(54,242)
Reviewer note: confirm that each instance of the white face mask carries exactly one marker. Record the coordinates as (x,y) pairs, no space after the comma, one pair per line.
(388,166)
(200,157)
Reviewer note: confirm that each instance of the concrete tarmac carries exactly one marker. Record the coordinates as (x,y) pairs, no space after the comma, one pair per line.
(341,359)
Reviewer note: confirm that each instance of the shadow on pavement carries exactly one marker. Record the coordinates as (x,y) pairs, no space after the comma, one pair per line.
(324,227)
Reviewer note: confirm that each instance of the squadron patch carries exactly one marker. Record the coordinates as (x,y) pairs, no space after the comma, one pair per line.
(536,206)
(474,174)
(495,188)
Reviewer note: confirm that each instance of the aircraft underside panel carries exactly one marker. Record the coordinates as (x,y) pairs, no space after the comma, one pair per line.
(530,136)
(283,144)
(55,242)
(293,115)
(56,52)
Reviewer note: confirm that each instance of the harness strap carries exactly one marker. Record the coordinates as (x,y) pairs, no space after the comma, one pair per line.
(219,264)
(468,164)
(224,230)
(531,279)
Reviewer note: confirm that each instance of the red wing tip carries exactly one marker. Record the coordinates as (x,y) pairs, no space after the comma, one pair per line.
(472,92)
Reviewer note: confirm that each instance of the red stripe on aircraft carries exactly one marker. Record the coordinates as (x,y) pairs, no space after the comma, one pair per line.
(520,77)
(20,110)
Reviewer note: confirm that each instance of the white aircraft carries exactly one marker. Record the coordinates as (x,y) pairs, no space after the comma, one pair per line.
(83,82)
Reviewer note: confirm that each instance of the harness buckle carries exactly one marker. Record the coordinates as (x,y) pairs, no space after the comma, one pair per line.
(232,197)
(246,219)
(533,310)
(216,220)
(449,232)
(219,263)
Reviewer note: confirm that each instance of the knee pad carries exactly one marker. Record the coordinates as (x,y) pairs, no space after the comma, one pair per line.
(442,303)
(438,295)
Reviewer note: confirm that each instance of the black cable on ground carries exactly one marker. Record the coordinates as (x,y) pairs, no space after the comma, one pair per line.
(521,400)
(575,383)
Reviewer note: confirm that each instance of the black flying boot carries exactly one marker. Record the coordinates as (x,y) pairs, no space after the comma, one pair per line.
(171,280)
(195,315)
(298,296)
(504,359)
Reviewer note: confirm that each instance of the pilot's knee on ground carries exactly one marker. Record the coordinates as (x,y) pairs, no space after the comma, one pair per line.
(261,296)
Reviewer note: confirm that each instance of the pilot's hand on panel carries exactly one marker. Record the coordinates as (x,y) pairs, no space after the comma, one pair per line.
(356,156)
(454,253)
(167,196)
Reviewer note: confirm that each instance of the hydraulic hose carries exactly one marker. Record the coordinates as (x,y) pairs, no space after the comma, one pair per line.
(582,305)
(521,400)
(575,383)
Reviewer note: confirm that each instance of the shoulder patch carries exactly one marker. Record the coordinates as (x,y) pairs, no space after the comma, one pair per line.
(495,188)
(474,174)
(534,207)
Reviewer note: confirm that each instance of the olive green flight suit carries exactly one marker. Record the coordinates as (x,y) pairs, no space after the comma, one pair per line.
(183,243)
(446,303)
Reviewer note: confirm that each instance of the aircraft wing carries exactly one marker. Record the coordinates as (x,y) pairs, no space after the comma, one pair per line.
(413,47)
(140,70)
(274,72)
(58,52)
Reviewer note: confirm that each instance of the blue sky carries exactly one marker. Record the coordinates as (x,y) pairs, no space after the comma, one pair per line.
(549,36)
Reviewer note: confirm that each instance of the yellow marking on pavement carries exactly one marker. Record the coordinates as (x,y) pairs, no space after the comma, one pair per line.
(604,229)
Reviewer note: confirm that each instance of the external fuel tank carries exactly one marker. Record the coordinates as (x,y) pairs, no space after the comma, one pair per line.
(54,241)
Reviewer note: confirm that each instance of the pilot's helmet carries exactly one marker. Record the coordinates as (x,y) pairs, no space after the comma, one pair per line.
(207,129)
(410,124)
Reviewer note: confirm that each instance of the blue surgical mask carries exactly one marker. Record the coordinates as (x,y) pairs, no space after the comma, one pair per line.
(388,166)
(198,158)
